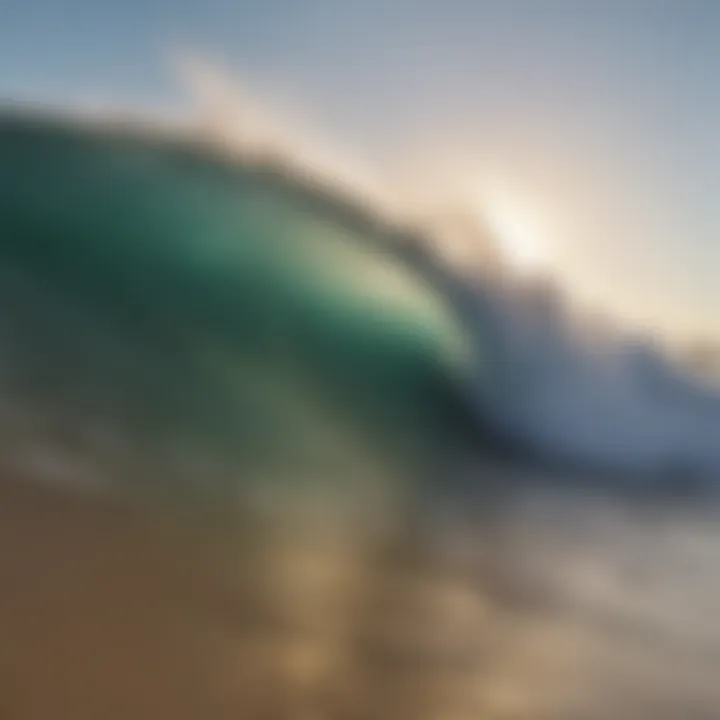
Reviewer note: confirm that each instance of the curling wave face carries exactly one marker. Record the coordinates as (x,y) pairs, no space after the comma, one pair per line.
(177,279)
(227,307)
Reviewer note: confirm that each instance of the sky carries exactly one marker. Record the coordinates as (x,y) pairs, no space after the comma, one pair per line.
(595,124)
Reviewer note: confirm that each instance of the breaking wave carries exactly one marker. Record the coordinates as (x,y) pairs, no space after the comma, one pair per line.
(175,278)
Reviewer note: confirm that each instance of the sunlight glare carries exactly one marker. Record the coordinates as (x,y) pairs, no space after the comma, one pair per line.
(517,237)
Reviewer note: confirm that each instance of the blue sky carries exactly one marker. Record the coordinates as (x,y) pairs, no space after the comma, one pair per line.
(598,119)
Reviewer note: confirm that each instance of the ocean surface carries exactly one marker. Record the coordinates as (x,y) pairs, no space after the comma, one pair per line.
(433,496)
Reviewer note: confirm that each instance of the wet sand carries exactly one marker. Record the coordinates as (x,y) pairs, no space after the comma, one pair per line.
(106,612)
(102,614)
(581,608)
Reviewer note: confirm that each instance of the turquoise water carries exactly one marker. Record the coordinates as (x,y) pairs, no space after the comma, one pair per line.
(222,306)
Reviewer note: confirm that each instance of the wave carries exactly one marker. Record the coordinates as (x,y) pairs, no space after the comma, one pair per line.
(205,309)
(227,298)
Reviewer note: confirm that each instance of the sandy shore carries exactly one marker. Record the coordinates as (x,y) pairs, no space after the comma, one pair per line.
(103,614)
(106,613)
(110,613)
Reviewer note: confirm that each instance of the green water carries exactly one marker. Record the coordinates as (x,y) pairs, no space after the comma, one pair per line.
(263,318)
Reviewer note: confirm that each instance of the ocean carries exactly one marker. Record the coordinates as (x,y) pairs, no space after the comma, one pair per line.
(267,455)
